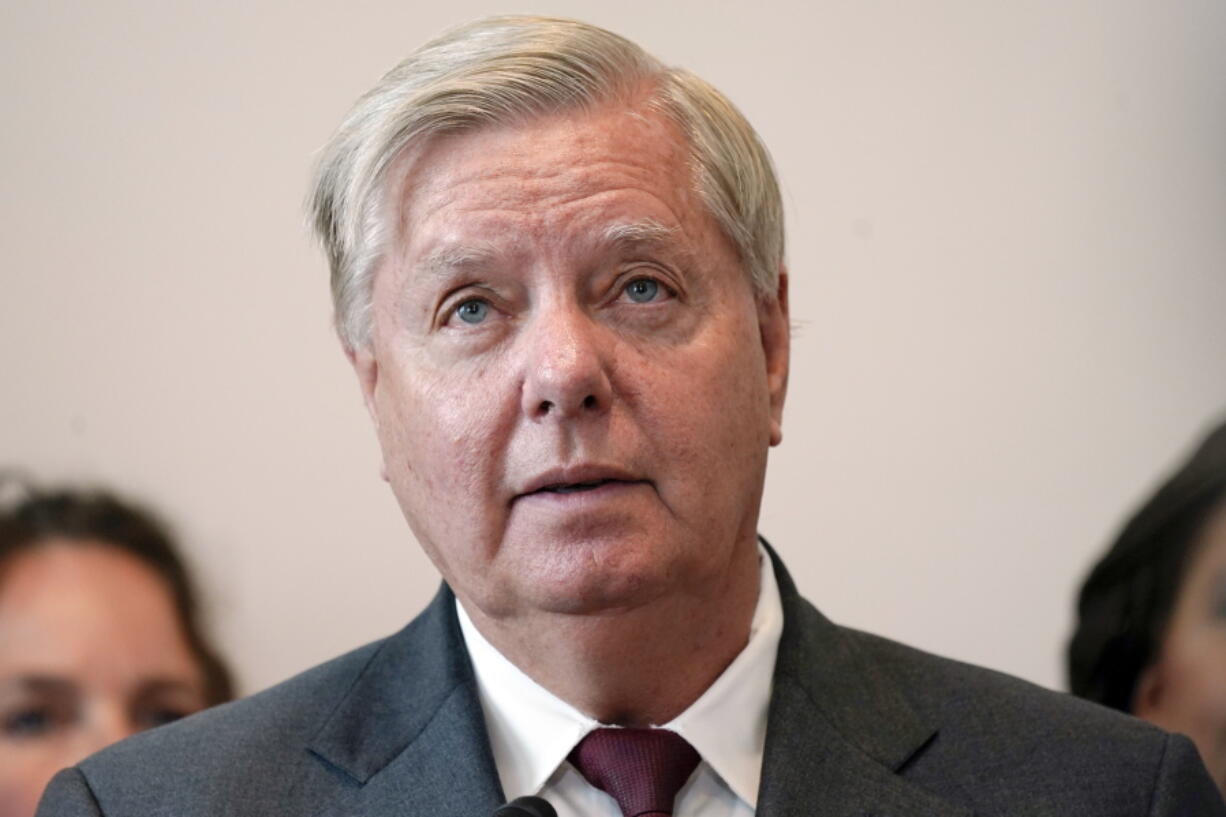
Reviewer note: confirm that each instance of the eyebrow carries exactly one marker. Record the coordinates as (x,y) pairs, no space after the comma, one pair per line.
(38,684)
(45,684)
(646,231)
(648,234)
(445,260)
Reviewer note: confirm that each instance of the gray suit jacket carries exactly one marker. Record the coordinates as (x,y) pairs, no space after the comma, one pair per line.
(858,726)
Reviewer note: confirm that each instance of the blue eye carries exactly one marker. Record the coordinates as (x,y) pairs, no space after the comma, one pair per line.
(473,311)
(642,290)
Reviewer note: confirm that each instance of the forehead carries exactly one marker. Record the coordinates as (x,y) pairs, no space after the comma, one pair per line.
(551,177)
(66,606)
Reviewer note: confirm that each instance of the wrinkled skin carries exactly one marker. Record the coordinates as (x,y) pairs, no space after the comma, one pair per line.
(561,309)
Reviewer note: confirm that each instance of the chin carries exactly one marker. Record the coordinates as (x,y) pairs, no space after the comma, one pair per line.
(589,581)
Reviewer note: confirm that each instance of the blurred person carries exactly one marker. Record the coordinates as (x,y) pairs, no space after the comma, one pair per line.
(99,635)
(558,275)
(1151,630)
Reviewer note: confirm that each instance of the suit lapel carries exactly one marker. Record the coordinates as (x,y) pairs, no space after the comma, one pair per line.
(409,736)
(839,729)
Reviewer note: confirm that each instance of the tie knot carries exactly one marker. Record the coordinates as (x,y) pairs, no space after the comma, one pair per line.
(642,769)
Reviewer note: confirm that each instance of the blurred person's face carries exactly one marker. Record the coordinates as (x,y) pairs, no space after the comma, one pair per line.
(573,383)
(91,651)
(1185,690)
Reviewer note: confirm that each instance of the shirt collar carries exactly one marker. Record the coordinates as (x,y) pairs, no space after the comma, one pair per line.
(727,724)
(532,731)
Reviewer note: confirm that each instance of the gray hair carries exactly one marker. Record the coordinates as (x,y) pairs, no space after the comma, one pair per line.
(508,69)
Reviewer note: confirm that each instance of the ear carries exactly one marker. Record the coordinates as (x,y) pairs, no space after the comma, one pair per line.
(1149,698)
(776,334)
(366,367)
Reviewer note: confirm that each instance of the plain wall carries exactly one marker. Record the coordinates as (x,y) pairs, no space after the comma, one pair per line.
(1007,228)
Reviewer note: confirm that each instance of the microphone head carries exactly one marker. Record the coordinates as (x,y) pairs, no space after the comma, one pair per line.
(526,807)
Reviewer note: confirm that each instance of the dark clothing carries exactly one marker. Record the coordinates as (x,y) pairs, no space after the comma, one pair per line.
(858,725)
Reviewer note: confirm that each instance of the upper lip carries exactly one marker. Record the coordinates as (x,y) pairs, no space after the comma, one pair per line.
(576,475)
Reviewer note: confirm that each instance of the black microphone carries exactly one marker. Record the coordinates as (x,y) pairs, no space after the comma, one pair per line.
(526,807)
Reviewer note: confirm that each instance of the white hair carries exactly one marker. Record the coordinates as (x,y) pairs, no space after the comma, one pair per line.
(507,69)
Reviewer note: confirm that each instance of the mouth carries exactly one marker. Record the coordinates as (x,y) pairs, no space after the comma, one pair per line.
(578,487)
(579,480)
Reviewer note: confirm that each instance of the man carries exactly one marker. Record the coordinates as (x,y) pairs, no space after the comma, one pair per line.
(557,268)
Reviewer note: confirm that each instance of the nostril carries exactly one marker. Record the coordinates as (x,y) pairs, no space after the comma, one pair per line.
(545,407)
(589,402)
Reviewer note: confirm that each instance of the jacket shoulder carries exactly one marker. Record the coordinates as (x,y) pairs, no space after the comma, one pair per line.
(243,752)
(999,738)
(971,698)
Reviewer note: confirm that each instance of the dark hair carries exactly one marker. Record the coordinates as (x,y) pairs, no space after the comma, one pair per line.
(39,516)
(1126,602)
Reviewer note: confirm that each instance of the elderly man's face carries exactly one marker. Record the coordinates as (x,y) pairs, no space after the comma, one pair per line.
(572,381)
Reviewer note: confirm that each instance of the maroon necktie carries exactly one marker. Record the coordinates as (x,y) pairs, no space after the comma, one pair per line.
(642,769)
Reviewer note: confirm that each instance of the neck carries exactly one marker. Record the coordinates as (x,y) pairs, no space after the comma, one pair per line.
(641,666)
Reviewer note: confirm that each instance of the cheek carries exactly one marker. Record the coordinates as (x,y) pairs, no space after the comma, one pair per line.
(710,413)
(1198,697)
(435,430)
(443,442)
(1202,677)
(24,773)
(1195,678)
(727,394)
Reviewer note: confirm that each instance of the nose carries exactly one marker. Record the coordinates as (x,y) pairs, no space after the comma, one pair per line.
(567,366)
(107,723)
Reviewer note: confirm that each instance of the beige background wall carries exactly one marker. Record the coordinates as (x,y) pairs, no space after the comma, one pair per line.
(1008,246)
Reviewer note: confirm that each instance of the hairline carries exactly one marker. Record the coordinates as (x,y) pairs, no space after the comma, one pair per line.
(504,70)
(386,201)
(390,191)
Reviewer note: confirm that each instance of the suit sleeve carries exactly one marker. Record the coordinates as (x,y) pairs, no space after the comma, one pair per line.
(68,795)
(1183,787)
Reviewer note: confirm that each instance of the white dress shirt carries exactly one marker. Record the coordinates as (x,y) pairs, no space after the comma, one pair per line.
(532,731)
